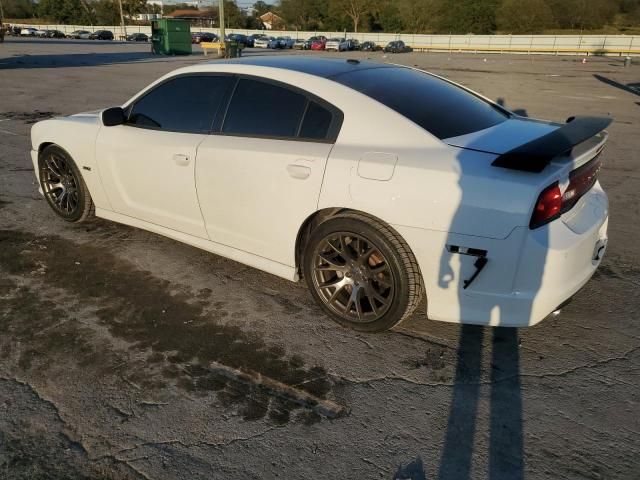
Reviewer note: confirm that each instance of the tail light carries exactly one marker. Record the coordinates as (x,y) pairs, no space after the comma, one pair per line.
(580,182)
(547,207)
(552,202)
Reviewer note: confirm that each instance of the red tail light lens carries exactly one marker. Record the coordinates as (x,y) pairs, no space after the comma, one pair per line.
(552,203)
(580,182)
(548,206)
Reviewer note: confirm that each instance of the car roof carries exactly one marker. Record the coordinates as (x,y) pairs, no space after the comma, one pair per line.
(320,67)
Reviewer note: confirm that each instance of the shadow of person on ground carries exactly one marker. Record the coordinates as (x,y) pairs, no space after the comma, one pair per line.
(414,470)
(505,440)
(518,111)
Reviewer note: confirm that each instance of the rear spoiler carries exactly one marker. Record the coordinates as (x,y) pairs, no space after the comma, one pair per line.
(535,155)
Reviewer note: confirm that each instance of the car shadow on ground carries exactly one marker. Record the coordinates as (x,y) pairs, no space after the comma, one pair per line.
(79,60)
(633,88)
(63,41)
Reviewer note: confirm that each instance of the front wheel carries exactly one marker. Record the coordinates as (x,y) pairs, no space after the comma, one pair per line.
(362,272)
(63,186)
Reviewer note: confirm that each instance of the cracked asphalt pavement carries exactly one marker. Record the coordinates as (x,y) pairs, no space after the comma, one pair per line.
(124,354)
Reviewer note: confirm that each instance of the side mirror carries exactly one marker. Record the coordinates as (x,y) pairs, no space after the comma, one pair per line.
(113,116)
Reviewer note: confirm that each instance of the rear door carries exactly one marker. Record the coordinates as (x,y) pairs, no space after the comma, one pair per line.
(147,165)
(259,177)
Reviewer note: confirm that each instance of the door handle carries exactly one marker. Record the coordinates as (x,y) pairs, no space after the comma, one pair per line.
(180,159)
(298,171)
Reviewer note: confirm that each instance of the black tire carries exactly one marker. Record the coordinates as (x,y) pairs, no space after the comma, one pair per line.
(79,206)
(401,272)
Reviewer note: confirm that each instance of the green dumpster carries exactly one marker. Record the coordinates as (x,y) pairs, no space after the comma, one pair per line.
(170,37)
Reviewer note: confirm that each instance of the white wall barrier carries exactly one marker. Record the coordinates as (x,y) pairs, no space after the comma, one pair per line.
(528,44)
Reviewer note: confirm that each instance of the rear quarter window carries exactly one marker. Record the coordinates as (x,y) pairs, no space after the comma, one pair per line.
(263,109)
(443,109)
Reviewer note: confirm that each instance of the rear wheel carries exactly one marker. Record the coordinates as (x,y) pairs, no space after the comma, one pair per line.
(362,272)
(63,186)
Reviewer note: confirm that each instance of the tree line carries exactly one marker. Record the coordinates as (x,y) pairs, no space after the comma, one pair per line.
(456,16)
(401,16)
(107,12)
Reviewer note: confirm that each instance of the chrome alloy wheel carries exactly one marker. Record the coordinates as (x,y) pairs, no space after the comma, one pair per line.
(59,183)
(352,277)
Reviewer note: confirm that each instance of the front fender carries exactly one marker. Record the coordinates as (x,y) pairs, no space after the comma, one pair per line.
(76,134)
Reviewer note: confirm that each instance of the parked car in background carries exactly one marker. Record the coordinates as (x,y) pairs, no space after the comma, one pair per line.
(137,37)
(318,43)
(353,44)
(274,43)
(199,37)
(55,34)
(397,46)
(252,38)
(337,44)
(262,42)
(210,37)
(285,42)
(101,35)
(79,34)
(370,47)
(301,44)
(28,32)
(42,33)
(241,39)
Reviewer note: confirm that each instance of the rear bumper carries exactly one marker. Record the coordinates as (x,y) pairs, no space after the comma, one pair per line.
(528,274)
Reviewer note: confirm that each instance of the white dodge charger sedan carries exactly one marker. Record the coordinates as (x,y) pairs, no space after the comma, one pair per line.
(380,185)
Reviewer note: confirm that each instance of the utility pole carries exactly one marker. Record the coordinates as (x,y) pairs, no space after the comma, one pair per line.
(124,27)
(221,15)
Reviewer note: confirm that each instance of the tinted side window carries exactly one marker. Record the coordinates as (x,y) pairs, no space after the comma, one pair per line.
(263,109)
(184,104)
(438,106)
(316,123)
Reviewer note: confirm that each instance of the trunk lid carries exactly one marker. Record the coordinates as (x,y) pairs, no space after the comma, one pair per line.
(529,145)
(504,136)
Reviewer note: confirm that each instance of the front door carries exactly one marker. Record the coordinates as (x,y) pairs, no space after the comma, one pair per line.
(147,165)
(149,175)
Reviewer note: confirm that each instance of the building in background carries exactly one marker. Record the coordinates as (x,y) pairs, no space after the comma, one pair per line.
(199,4)
(202,18)
(271,21)
(146,16)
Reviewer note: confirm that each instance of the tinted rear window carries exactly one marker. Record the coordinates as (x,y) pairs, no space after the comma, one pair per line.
(439,107)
